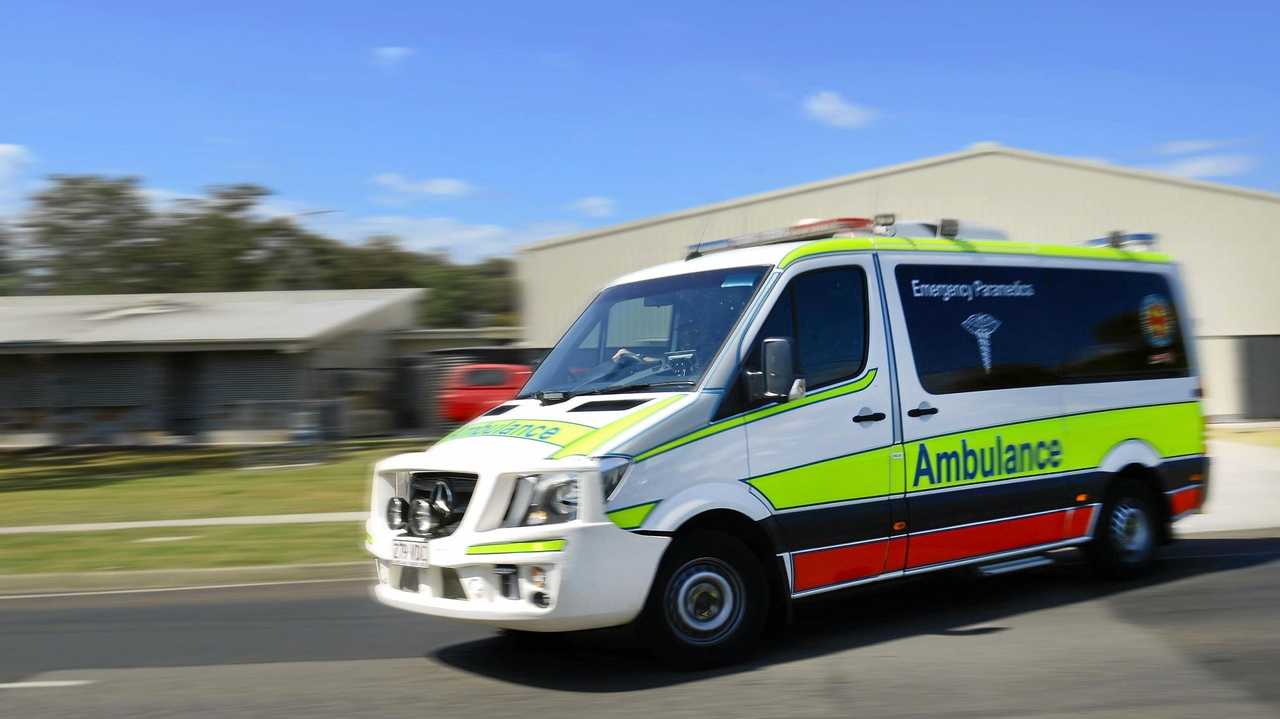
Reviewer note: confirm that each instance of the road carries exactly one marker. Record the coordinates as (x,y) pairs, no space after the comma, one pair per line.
(1201,637)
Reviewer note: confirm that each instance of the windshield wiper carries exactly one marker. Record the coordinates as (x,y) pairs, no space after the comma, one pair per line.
(642,387)
(555,396)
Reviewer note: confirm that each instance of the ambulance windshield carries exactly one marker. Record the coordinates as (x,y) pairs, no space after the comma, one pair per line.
(654,335)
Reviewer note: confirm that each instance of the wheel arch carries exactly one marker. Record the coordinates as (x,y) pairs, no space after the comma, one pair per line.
(1137,460)
(731,508)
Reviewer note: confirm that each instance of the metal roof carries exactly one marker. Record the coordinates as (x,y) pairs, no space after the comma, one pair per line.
(976,150)
(287,319)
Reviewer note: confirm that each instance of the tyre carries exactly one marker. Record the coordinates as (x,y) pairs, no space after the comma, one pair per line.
(1124,540)
(708,603)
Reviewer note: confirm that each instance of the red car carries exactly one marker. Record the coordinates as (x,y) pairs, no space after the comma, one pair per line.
(471,390)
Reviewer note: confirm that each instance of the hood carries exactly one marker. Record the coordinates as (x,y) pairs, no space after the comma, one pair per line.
(583,426)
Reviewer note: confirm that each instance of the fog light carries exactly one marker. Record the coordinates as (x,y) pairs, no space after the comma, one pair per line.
(397,509)
(538,577)
(420,519)
(541,600)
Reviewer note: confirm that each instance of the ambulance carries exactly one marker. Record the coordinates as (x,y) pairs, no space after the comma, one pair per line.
(801,411)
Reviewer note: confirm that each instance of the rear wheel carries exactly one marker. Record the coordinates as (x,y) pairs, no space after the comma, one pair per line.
(708,602)
(1124,540)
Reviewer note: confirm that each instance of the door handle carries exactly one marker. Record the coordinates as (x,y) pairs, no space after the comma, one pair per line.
(922,411)
(871,417)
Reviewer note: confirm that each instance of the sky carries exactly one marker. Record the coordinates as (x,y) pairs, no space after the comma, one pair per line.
(474,128)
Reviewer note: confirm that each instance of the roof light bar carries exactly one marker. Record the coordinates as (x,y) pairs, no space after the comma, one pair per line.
(946,228)
(1119,240)
(802,230)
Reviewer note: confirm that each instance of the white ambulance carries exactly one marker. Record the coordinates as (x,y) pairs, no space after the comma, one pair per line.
(796,412)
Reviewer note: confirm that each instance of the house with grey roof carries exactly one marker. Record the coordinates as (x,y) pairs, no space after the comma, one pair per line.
(216,366)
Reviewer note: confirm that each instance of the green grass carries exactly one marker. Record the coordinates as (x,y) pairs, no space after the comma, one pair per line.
(1268,437)
(115,486)
(207,547)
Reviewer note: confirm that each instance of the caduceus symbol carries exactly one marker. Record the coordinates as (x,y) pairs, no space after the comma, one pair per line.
(982,326)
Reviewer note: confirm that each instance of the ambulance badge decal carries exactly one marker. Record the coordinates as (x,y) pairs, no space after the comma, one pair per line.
(982,326)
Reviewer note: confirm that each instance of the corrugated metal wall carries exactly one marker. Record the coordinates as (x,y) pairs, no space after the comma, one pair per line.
(1227,242)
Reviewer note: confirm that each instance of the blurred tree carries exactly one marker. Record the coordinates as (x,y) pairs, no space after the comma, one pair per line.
(216,244)
(11,271)
(381,262)
(93,234)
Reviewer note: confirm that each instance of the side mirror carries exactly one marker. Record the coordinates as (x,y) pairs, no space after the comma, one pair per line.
(779,371)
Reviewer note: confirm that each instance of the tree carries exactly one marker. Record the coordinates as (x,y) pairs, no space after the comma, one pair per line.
(92,234)
(11,274)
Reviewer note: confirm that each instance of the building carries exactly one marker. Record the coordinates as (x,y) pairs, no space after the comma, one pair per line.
(210,367)
(1225,238)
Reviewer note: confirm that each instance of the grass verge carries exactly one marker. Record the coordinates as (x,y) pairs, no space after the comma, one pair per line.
(116,486)
(182,548)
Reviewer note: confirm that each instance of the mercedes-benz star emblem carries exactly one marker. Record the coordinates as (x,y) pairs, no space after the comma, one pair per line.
(442,499)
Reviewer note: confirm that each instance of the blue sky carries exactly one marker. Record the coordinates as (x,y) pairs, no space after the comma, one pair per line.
(474,127)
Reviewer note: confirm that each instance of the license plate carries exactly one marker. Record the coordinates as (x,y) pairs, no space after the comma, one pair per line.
(410,554)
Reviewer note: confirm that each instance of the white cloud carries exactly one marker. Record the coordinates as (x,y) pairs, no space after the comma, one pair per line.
(13,158)
(462,241)
(830,108)
(436,186)
(594,206)
(1188,147)
(14,161)
(390,56)
(435,234)
(165,199)
(1210,166)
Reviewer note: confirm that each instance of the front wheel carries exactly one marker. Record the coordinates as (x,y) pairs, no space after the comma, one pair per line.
(708,602)
(1124,540)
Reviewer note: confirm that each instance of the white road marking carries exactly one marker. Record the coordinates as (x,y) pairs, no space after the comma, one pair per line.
(49,684)
(60,595)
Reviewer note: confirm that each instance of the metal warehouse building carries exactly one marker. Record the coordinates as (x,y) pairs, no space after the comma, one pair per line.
(1226,239)
(220,366)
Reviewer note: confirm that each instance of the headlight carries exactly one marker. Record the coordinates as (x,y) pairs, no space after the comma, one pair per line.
(543,499)
(397,509)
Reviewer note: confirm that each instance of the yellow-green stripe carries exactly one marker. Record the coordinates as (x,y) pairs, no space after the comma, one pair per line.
(999,247)
(855,476)
(543,545)
(1174,430)
(632,517)
(538,430)
(593,441)
(856,385)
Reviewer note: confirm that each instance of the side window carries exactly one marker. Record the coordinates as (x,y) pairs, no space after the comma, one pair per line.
(831,324)
(1122,326)
(976,328)
(824,314)
(486,378)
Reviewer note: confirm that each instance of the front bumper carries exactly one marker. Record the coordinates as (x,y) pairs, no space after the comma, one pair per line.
(596,575)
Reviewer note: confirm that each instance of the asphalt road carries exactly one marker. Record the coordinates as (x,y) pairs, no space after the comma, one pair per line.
(1201,637)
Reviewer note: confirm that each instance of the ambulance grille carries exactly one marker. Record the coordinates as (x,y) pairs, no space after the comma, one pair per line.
(461,486)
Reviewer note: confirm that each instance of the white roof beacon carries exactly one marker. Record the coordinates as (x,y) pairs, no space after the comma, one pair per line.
(946,228)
